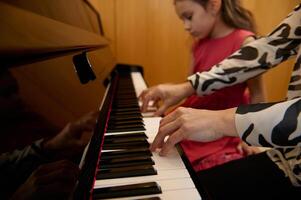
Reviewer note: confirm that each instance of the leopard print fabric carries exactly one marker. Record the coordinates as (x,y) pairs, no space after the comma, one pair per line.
(275,125)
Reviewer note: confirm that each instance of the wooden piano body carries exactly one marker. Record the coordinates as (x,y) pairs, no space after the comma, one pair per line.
(40,36)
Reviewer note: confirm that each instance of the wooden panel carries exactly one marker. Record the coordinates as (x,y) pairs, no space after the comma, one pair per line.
(53,89)
(149,34)
(107,11)
(28,35)
(93,16)
(71,12)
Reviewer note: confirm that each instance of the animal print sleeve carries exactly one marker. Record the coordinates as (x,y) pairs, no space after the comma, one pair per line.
(270,124)
(254,58)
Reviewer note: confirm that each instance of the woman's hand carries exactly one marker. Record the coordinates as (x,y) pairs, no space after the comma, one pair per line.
(247,150)
(73,138)
(169,94)
(193,124)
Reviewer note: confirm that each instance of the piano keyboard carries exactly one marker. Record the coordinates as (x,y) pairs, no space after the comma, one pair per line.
(127,169)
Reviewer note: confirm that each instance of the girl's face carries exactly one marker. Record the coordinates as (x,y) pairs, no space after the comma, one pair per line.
(198,21)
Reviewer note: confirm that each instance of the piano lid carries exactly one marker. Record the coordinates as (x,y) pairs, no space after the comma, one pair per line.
(26,37)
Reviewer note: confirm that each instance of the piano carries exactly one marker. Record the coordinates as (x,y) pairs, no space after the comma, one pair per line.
(117,163)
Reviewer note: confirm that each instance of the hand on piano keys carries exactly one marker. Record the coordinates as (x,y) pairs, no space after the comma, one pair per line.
(167,94)
(169,173)
(127,168)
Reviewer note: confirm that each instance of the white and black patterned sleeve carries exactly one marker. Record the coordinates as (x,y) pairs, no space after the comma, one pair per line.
(270,124)
(253,59)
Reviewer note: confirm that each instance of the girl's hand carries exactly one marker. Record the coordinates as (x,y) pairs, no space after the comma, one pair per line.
(193,124)
(169,94)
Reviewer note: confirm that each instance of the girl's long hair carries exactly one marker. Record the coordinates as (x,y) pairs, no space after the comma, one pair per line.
(233,14)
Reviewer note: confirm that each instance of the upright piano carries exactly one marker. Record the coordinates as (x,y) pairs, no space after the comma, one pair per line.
(117,163)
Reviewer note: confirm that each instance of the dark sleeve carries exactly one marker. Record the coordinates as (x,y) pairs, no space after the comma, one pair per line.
(17,166)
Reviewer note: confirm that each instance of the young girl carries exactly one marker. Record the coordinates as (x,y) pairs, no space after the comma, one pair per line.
(220,27)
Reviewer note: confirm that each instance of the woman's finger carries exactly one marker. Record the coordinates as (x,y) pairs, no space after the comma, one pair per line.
(170,143)
(164,131)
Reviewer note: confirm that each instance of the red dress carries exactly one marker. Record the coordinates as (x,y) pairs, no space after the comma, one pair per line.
(208,52)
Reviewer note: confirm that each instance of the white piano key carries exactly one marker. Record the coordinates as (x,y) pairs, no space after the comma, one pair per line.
(176,184)
(120,133)
(171,161)
(148,114)
(166,185)
(162,175)
(139,83)
(189,194)
(151,125)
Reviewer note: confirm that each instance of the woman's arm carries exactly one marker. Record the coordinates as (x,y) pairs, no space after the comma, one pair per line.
(270,124)
(253,59)
(266,124)
(255,85)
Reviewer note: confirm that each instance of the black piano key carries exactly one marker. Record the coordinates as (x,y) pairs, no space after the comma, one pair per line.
(150,198)
(128,125)
(144,170)
(117,118)
(129,120)
(136,154)
(127,190)
(127,152)
(132,112)
(126,121)
(114,115)
(127,91)
(126,135)
(138,128)
(125,145)
(124,140)
(123,126)
(125,117)
(118,106)
(108,165)
(125,98)
(125,159)
(126,109)
(124,104)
